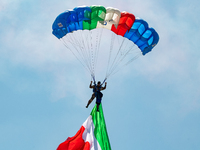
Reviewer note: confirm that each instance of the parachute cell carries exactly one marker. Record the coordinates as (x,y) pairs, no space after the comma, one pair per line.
(98,14)
(112,18)
(83,14)
(60,25)
(125,23)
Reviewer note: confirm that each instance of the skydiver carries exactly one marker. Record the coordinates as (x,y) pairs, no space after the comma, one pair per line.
(96,93)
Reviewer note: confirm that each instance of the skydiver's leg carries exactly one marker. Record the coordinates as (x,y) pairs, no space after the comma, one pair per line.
(91,99)
(97,107)
(98,102)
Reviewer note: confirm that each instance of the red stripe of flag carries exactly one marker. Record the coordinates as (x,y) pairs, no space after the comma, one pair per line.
(75,143)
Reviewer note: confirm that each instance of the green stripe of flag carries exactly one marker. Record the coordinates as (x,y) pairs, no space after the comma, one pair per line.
(100,131)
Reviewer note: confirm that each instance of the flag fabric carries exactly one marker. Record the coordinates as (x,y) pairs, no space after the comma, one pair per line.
(91,136)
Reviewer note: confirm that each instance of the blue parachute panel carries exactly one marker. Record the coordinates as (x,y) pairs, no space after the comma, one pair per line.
(83,13)
(142,29)
(143,36)
(72,21)
(152,41)
(60,25)
(136,30)
(143,39)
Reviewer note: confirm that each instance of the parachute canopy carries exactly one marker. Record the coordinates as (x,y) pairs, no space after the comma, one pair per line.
(82,30)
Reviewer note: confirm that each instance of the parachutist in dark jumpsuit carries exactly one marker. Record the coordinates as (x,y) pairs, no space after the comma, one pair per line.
(96,93)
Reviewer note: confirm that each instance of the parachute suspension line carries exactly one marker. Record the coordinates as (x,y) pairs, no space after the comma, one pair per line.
(95,81)
(114,62)
(104,81)
(74,55)
(110,52)
(134,58)
(71,42)
(97,45)
(120,61)
(82,48)
(85,49)
(98,48)
(71,39)
(122,56)
(95,49)
(98,40)
(88,48)
(91,54)
(93,78)
(86,55)
(74,38)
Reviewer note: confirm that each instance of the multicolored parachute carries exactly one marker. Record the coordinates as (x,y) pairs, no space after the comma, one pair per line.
(104,36)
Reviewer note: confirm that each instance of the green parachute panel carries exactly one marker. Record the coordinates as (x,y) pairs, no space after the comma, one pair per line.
(98,14)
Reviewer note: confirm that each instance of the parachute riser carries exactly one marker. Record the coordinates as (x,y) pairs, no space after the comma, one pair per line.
(93,77)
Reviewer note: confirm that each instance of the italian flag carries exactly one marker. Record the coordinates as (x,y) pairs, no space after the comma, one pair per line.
(91,136)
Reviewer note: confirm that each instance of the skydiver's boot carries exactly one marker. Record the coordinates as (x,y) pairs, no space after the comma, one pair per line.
(98,108)
(89,103)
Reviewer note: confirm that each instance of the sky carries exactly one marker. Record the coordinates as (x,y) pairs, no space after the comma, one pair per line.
(153,103)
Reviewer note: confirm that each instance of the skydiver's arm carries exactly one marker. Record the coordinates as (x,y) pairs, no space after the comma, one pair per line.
(103,88)
(91,86)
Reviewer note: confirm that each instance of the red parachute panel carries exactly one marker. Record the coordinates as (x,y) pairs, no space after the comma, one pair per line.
(125,23)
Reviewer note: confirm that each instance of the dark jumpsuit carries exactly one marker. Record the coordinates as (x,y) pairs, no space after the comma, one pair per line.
(97,94)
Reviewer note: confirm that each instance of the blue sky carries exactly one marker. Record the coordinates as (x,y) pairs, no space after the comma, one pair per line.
(154,103)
